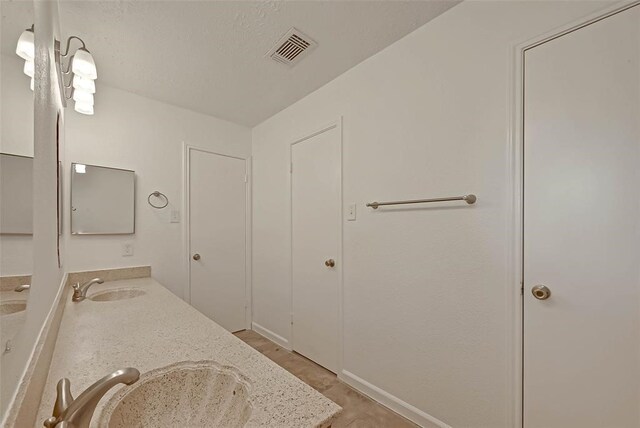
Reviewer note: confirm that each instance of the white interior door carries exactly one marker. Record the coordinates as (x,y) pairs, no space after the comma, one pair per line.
(582,227)
(316,197)
(217,211)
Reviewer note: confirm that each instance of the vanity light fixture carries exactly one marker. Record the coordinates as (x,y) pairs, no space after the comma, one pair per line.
(82,72)
(84,97)
(76,79)
(83,64)
(29,68)
(84,84)
(26,50)
(84,108)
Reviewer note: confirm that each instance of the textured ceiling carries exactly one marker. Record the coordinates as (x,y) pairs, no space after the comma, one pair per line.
(209,56)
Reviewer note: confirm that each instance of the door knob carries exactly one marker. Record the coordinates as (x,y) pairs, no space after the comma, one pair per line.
(330,263)
(541,292)
(196,256)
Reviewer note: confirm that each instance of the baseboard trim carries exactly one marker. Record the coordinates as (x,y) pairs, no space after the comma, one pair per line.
(276,338)
(392,402)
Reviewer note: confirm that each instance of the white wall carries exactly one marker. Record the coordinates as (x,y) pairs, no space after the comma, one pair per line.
(16,137)
(132,132)
(427,314)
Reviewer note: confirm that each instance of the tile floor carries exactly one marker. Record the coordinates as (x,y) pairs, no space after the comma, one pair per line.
(358,411)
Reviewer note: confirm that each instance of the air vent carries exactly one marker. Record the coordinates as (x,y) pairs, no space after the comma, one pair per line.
(292,47)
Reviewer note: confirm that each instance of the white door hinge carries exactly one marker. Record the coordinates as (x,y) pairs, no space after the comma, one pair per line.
(246,178)
(291,168)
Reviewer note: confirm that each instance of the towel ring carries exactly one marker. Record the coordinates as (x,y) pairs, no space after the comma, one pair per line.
(158,195)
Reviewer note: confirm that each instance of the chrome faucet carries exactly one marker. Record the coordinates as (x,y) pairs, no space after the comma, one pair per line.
(77,413)
(21,288)
(80,291)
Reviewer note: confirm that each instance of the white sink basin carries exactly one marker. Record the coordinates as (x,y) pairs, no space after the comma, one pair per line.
(186,394)
(118,294)
(12,307)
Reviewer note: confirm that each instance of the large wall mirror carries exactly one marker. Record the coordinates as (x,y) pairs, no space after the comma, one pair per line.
(102,200)
(16,229)
(16,184)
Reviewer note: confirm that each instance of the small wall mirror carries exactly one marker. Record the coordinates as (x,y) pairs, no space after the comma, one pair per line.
(102,200)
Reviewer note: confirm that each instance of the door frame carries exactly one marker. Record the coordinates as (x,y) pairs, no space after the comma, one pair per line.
(515,176)
(186,229)
(335,124)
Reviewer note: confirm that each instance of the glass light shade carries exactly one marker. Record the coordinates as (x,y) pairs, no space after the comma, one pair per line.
(84,97)
(84,84)
(29,68)
(32,85)
(83,108)
(83,65)
(26,48)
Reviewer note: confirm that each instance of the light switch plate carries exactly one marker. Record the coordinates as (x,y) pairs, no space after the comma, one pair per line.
(351,212)
(175,216)
(127,249)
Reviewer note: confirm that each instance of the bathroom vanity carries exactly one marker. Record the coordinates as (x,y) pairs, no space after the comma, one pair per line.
(188,363)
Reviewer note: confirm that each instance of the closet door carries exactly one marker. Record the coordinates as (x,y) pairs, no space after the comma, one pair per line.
(217,223)
(316,237)
(582,227)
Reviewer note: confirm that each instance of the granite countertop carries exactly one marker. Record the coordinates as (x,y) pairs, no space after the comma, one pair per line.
(158,329)
(11,323)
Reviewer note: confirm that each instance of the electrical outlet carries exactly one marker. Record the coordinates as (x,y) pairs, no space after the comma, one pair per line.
(127,249)
(175,216)
(351,212)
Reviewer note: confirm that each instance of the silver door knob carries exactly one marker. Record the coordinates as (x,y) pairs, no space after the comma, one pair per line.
(330,263)
(541,292)
(196,256)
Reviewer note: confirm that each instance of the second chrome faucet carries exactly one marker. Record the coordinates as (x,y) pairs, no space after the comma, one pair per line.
(77,413)
(80,291)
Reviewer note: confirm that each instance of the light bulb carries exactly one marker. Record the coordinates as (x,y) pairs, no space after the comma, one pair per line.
(83,108)
(26,47)
(83,64)
(84,84)
(83,97)
(29,68)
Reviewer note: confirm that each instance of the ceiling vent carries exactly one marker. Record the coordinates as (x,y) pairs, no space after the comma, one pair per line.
(292,47)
